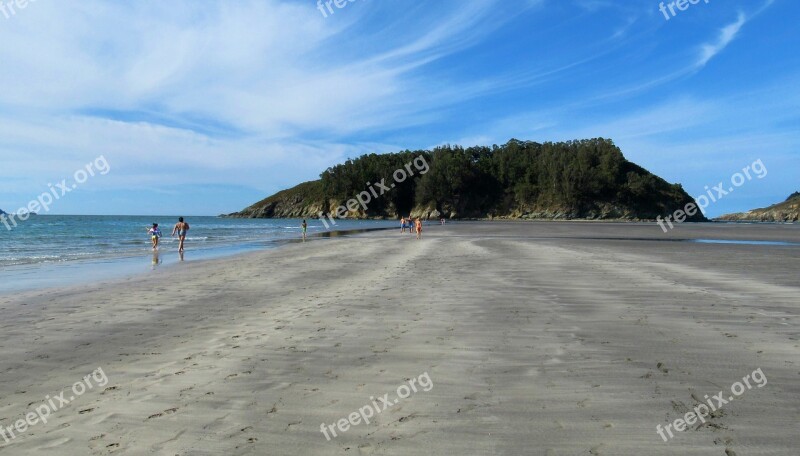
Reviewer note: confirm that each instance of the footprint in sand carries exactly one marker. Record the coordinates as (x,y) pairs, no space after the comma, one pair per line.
(595,450)
(60,426)
(407,418)
(56,442)
(165,412)
(467,408)
(294,423)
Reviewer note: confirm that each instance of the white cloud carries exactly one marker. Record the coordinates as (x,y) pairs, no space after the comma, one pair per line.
(200,91)
(726,35)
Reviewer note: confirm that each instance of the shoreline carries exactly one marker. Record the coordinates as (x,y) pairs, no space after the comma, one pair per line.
(29,277)
(715,220)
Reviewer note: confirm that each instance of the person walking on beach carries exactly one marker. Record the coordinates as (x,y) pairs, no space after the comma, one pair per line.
(304,226)
(155,235)
(180,228)
(402,225)
(418,225)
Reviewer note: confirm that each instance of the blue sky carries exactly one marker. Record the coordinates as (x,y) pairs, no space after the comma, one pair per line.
(202,107)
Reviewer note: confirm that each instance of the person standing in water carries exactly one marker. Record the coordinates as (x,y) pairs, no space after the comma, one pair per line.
(155,235)
(304,226)
(181,228)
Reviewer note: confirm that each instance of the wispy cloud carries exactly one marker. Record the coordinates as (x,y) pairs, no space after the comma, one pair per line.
(727,34)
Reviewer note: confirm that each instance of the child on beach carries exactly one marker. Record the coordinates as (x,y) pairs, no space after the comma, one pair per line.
(418,225)
(155,235)
(304,226)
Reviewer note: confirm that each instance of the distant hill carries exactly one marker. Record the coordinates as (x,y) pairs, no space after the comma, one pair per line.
(302,201)
(586,179)
(787,211)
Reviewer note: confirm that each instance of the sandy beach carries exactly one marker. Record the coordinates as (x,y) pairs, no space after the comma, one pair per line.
(537,338)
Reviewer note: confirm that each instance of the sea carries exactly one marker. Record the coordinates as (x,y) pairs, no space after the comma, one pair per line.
(57,250)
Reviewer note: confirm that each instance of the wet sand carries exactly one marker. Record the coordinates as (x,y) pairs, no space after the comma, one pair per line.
(538,338)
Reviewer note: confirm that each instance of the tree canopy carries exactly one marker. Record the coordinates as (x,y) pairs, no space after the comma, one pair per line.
(584,178)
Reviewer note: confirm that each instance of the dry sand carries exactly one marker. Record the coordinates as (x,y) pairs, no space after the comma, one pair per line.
(539,339)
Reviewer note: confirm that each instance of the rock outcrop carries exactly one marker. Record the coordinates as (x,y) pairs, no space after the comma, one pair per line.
(787,211)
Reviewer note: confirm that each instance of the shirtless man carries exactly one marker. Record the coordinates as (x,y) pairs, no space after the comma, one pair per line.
(180,228)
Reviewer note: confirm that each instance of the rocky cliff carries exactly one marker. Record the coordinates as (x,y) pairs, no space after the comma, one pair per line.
(787,211)
(302,201)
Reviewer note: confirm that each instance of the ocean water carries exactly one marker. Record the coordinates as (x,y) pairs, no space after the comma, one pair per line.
(53,250)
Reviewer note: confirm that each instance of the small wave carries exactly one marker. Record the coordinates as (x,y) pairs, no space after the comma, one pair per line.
(40,257)
(31,260)
(81,254)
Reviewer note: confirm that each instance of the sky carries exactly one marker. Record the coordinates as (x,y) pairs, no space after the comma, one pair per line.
(205,107)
